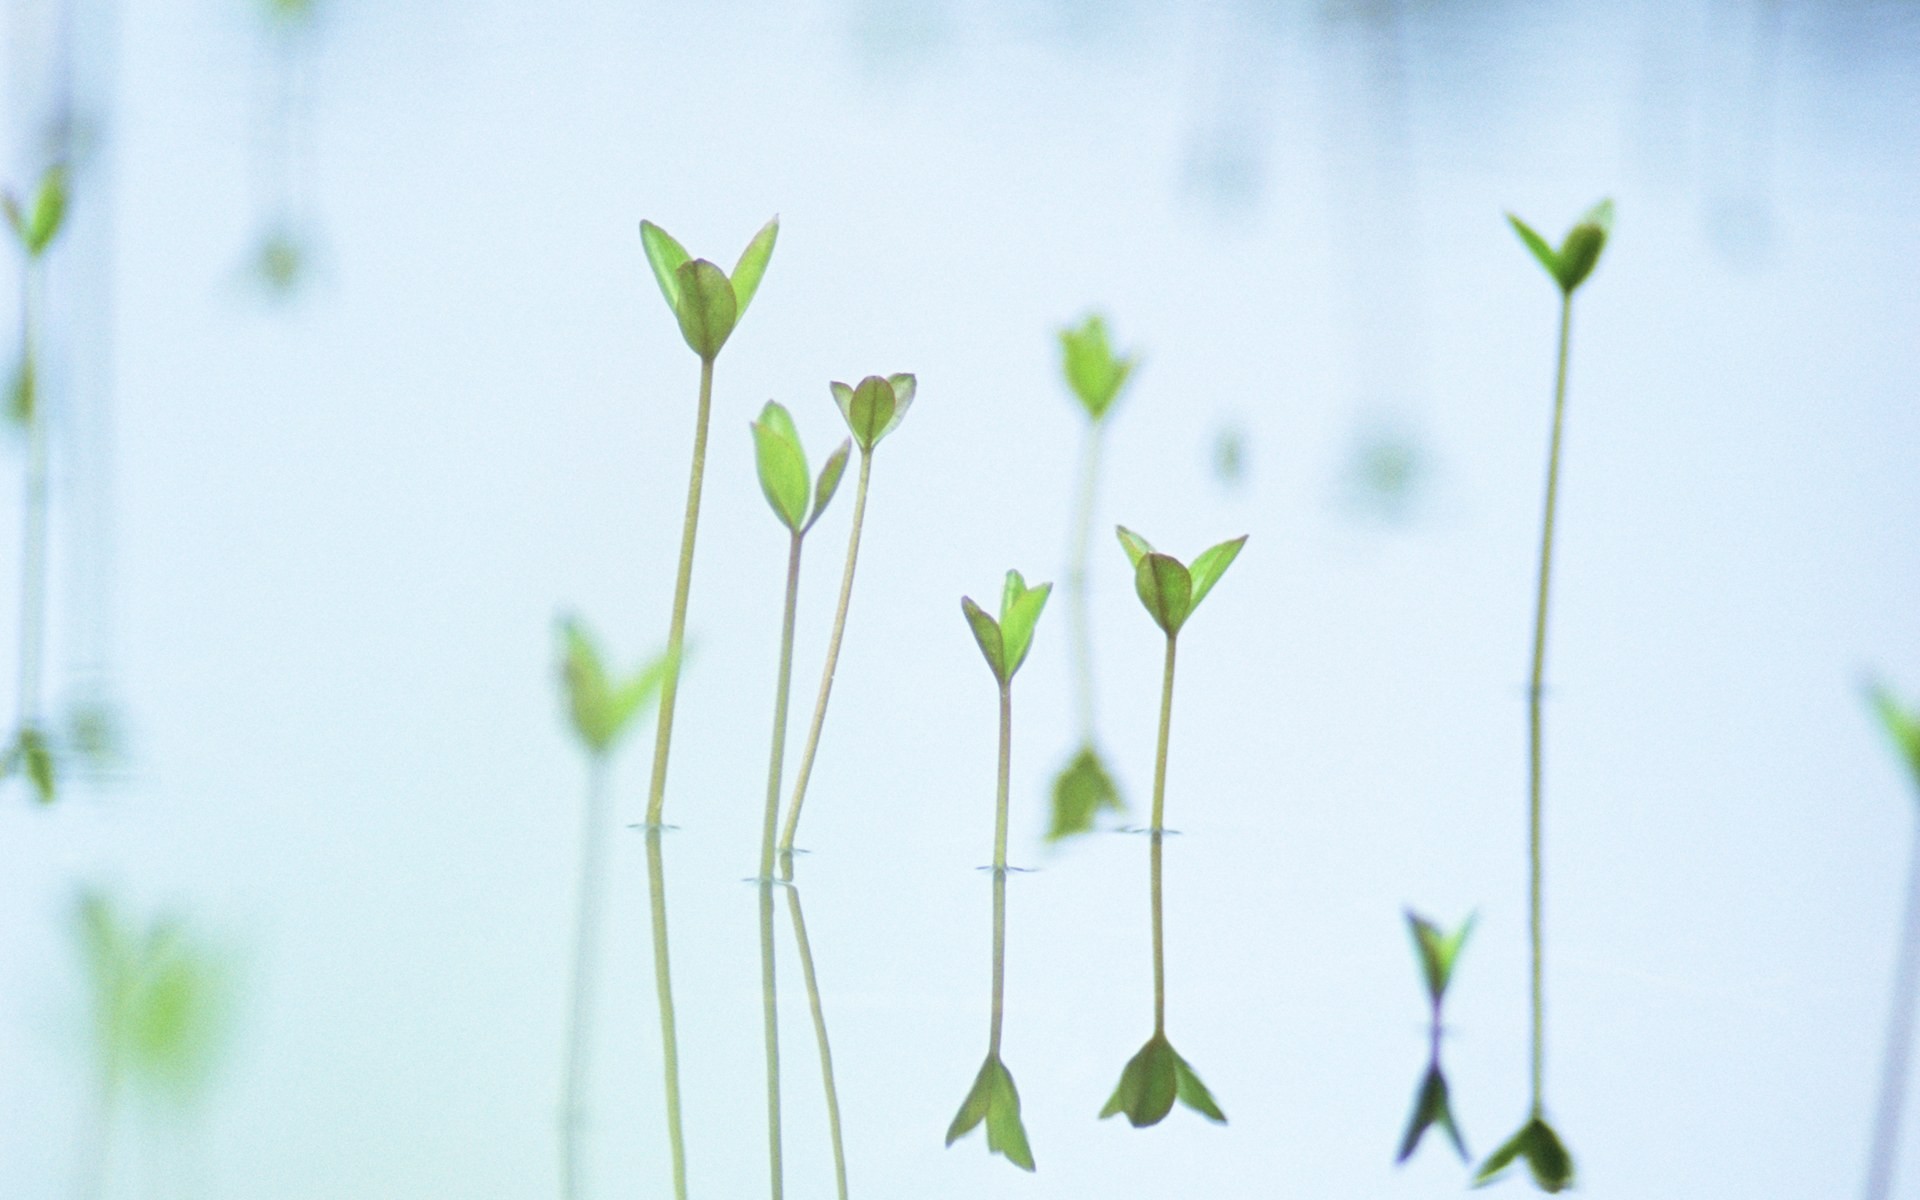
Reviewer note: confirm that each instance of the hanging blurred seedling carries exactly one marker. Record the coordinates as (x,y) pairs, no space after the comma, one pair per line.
(1438,952)
(601,707)
(282,251)
(1903,729)
(1096,375)
(798,498)
(993,1099)
(1171,591)
(707,303)
(36,224)
(1569,266)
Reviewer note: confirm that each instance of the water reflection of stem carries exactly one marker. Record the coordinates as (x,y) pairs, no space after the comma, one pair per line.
(1158,835)
(1894,1067)
(677,629)
(663,984)
(593,869)
(1000,872)
(1082,635)
(819,1030)
(769,999)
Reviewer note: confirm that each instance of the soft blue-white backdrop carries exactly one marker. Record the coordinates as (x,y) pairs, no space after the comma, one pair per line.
(341,526)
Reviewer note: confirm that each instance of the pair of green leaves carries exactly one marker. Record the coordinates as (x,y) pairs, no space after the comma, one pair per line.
(995,1101)
(1540,1147)
(1579,251)
(1005,642)
(1438,953)
(601,706)
(32,756)
(1902,724)
(160,999)
(707,301)
(874,407)
(1152,1080)
(1171,590)
(1081,789)
(35,225)
(1431,1107)
(1094,372)
(797,497)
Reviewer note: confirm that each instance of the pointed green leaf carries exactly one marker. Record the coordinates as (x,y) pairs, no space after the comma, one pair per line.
(1006,1134)
(904,388)
(1437,950)
(1210,566)
(986,631)
(49,211)
(1537,244)
(782,465)
(1579,254)
(752,265)
(1093,371)
(1193,1093)
(1020,608)
(1135,545)
(1902,725)
(666,257)
(869,410)
(828,481)
(31,757)
(843,396)
(1431,1107)
(973,1109)
(1148,1084)
(707,309)
(1081,789)
(1166,589)
(1540,1146)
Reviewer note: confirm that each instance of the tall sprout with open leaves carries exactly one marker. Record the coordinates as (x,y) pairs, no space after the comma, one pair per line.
(1171,591)
(708,304)
(1096,376)
(993,1099)
(601,707)
(1903,729)
(797,498)
(1568,266)
(36,225)
(1438,953)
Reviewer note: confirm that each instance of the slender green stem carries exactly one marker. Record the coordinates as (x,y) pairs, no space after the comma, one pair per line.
(663,985)
(1077,604)
(1534,695)
(677,630)
(586,962)
(33,560)
(819,1034)
(1158,835)
(1893,1068)
(826,675)
(769,999)
(1000,872)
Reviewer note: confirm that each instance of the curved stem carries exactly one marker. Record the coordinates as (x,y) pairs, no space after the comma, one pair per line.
(677,629)
(769,999)
(1000,872)
(663,986)
(1893,1069)
(1534,694)
(33,559)
(819,1034)
(826,675)
(1078,616)
(593,885)
(1158,835)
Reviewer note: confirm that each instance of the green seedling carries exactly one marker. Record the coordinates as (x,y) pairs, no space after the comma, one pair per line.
(993,1098)
(1155,1077)
(36,224)
(161,1004)
(1438,951)
(601,708)
(872,409)
(797,497)
(1569,266)
(1903,730)
(708,304)
(1085,787)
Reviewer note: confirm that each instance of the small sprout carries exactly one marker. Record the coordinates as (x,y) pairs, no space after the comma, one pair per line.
(1081,790)
(706,301)
(1093,371)
(995,1101)
(1005,642)
(31,756)
(602,708)
(1540,1146)
(1152,1080)
(1902,725)
(1438,951)
(1170,590)
(874,407)
(1430,1108)
(280,262)
(784,477)
(160,1000)
(36,225)
(1579,252)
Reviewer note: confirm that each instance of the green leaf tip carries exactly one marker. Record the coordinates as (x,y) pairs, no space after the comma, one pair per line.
(36,224)
(1902,725)
(1152,1080)
(601,707)
(31,756)
(1167,587)
(1431,1107)
(1094,372)
(1579,251)
(1081,791)
(1005,641)
(707,302)
(1541,1148)
(1437,950)
(994,1100)
(796,496)
(874,407)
